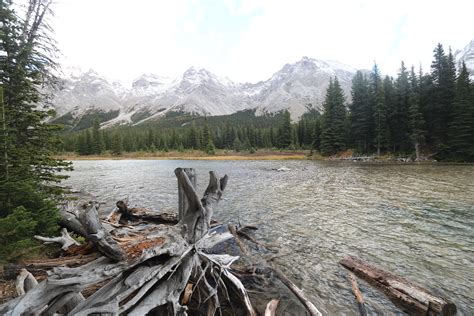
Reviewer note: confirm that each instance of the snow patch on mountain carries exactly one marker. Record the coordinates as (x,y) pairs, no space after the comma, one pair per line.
(296,87)
(466,55)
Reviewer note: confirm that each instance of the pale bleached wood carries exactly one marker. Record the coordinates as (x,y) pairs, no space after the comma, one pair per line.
(411,297)
(155,265)
(63,304)
(89,218)
(69,220)
(183,204)
(25,281)
(271,308)
(298,292)
(357,295)
(65,240)
(169,291)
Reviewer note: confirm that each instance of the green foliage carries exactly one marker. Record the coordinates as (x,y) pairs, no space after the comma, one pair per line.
(379,110)
(399,115)
(88,119)
(461,128)
(333,132)
(417,122)
(284,132)
(210,148)
(28,172)
(360,114)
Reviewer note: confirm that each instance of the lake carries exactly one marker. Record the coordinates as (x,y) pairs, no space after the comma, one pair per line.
(416,221)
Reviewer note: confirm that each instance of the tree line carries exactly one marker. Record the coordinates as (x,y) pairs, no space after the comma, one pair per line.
(207,134)
(415,113)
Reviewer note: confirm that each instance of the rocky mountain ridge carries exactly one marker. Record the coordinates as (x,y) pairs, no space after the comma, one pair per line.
(296,87)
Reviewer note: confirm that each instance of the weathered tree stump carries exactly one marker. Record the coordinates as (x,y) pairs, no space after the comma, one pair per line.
(411,297)
(143,266)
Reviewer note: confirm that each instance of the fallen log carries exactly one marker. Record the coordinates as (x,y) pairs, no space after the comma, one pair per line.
(123,212)
(411,297)
(313,311)
(358,295)
(39,268)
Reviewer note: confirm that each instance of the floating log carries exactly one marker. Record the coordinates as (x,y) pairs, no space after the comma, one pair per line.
(313,311)
(411,297)
(358,295)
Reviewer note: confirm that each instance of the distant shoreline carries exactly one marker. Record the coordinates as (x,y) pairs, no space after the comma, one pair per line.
(194,155)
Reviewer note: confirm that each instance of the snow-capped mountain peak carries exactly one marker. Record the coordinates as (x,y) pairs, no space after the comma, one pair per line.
(296,87)
(466,55)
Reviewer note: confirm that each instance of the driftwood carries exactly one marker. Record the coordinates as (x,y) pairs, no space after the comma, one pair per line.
(124,213)
(313,311)
(25,282)
(271,308)
(142,266)
(411,297)
(358,295)
(65,240)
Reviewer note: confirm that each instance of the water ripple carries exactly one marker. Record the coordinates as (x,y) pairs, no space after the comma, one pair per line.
(414,220)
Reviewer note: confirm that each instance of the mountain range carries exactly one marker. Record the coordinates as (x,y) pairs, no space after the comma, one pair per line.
(297,87)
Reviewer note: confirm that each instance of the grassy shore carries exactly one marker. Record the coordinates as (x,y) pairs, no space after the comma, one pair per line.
(195,155)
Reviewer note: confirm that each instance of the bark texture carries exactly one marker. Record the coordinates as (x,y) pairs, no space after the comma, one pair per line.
(411,297)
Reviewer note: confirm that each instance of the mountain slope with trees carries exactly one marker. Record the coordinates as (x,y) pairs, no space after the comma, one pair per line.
(414,114)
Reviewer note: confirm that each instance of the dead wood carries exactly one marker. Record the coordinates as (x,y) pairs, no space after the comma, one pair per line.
(96,233)
(25,282)
(65,240)
(411,297)
(298,293)
(357,295)
(146,261)
(271,308)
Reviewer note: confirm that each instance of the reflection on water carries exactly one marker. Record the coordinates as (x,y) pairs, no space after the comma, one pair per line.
(414,220)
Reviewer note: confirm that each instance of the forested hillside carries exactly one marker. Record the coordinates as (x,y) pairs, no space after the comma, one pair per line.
(416,113)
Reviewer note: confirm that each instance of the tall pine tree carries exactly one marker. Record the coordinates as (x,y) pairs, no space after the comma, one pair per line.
(461,127)
(360,113)
(28,169)
(417,122)
(333,133)
(377,96)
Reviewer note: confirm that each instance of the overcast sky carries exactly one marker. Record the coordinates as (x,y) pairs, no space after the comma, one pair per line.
(249,40)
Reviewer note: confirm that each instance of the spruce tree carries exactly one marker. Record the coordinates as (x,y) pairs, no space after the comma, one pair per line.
(116,145)
(28,170)
(285,130)
(398,122)
(461,128)
(443,74)
(377,96)
(360,117)
(417,122)
(333,133)
(97,140)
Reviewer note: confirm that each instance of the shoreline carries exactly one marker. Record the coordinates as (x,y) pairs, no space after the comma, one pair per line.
(194,155)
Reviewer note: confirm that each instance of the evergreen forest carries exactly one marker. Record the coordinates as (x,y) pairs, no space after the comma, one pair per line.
(417,114)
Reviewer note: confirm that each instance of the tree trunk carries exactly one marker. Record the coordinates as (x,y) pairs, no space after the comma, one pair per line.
(417,150)
(411,297)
